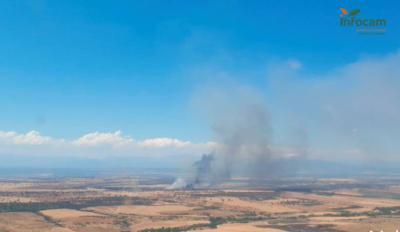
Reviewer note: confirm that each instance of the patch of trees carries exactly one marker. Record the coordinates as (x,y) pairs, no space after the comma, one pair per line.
(102,201)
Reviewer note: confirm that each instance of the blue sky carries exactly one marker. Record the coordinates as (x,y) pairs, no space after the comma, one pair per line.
(68,68)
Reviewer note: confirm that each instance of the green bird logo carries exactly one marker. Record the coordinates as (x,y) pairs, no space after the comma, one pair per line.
(352,13)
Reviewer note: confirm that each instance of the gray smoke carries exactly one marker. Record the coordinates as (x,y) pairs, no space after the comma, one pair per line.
(244,134)
(203,168)
(241,127)
(347,114)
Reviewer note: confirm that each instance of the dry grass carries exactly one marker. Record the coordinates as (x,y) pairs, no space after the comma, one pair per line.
(268,206)
(58,214)
(143,210)
(236,227)
(27,222)
(233,209)
(390,224)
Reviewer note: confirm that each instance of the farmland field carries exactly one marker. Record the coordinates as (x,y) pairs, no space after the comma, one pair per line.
(113,204)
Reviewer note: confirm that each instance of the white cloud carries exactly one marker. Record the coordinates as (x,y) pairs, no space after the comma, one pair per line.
(98,138)
(164,142)
(29,138)
(97,144)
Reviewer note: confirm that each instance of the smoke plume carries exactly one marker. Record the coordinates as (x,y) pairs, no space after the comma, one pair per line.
(241,127)
(347,114)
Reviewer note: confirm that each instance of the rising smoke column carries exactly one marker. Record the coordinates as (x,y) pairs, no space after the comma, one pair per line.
(242,134)
(241,127)
(203,168)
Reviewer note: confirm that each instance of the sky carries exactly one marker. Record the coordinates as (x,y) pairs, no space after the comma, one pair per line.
(124,78)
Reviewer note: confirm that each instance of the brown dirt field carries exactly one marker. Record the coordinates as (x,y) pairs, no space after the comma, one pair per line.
(58,214)
(27,222)
(335,220)
(91,224)
(154,224)
(235,227)
(268,206)
(144,210)
(334,202)
(387,224)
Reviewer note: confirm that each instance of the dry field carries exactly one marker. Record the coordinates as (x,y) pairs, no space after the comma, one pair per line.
(144,204)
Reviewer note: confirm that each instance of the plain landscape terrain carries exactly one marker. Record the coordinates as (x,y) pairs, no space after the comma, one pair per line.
(144,203)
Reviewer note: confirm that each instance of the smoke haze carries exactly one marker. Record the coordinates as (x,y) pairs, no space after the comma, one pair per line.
(241,127)
(351,113)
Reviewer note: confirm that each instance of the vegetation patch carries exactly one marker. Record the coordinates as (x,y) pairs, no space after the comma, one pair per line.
(38,206)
